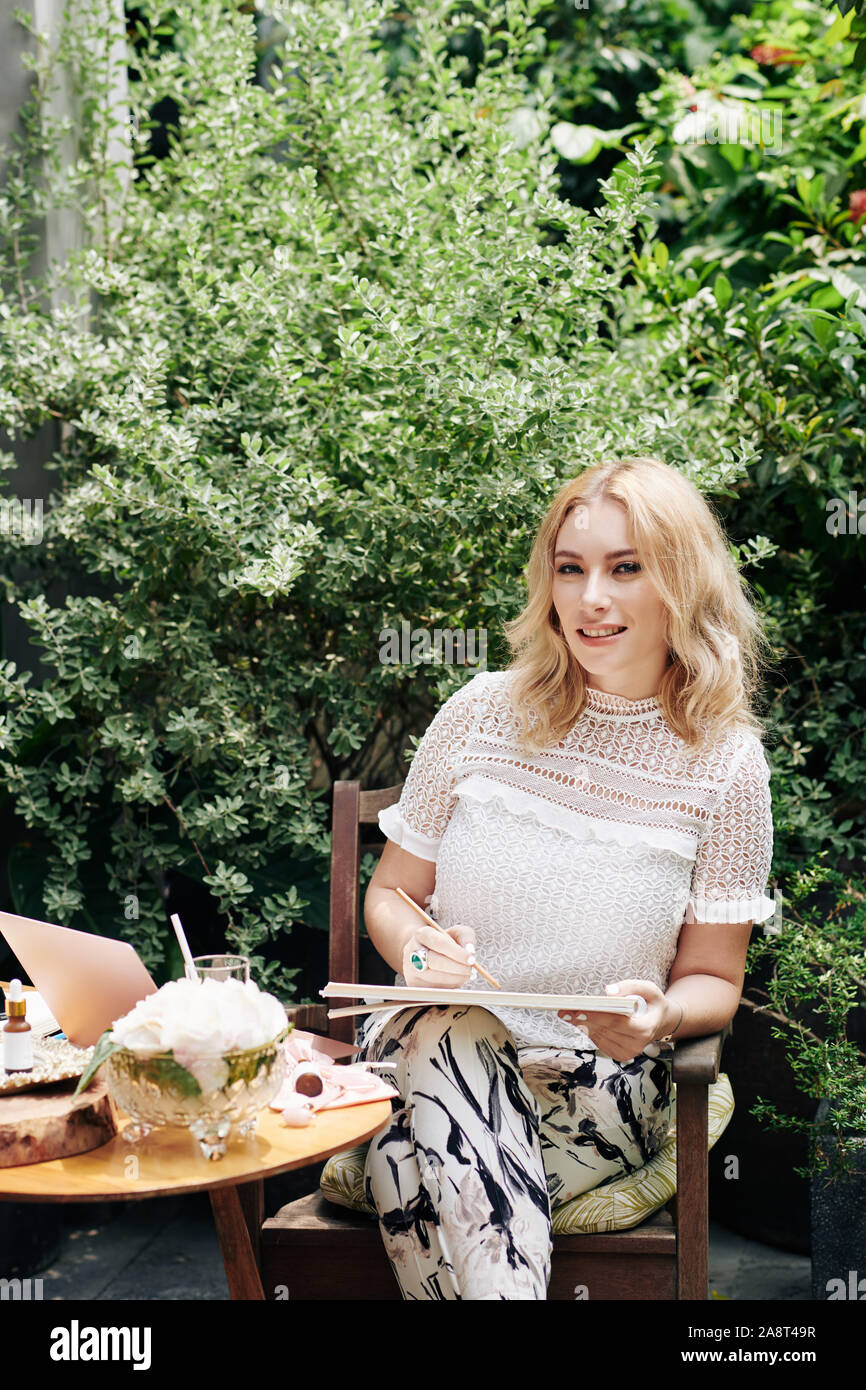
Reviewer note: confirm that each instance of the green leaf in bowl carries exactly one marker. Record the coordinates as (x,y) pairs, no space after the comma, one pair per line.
(101,1052)
(169,1075)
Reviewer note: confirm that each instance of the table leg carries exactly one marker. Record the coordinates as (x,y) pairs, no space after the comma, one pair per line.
(252,1199)
(238,1214)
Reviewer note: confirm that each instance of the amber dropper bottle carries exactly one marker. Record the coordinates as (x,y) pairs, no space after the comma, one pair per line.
(17,1033)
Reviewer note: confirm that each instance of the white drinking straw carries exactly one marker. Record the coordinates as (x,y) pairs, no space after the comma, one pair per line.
(183,943)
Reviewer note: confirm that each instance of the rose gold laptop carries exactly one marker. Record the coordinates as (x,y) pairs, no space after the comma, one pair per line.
(87,981)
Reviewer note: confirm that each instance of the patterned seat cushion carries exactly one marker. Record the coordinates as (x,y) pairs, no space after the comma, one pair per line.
(617,1205)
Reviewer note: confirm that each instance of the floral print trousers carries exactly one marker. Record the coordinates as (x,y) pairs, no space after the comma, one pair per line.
(485,1137)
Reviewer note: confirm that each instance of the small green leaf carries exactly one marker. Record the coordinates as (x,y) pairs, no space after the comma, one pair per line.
(840,28)
(735,155)
(722,291)
(101,1052)
(661,254)
(169,1075)
(578,143)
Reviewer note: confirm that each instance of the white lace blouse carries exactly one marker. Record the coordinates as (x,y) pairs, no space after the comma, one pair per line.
(578,865)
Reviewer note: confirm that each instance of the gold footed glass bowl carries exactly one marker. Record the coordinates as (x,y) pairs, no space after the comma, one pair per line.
(215,1095)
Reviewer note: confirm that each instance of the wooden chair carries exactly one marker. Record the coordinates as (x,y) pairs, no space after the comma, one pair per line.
(328,1252)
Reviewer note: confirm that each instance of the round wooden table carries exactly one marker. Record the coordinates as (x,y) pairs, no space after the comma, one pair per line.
(169,1162)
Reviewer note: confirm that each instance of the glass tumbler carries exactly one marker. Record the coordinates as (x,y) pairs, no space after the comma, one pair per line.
(219,968)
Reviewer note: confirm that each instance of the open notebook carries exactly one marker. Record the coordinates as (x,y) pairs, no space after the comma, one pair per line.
(377,997)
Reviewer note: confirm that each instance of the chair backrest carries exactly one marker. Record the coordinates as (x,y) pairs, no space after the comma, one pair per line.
(352,809)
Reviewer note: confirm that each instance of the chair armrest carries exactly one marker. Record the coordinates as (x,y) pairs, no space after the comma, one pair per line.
(310,1018)
(697,1060)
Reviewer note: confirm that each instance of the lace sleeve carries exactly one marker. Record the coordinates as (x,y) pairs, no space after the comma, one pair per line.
(417,822)
(730,872)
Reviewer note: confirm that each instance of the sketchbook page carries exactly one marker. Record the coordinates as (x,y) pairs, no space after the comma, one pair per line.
(405,994)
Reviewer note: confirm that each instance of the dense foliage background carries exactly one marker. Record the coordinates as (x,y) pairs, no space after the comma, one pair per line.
(346,335)
(377,281)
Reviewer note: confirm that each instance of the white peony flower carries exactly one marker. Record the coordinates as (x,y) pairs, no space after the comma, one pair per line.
(143,1036)
(201,1018)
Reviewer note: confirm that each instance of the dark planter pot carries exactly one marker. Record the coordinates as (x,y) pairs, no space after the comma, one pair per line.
(759,1195)
(838,1223)
(30,1235)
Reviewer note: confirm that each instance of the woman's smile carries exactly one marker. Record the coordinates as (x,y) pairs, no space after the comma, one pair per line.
(600,637)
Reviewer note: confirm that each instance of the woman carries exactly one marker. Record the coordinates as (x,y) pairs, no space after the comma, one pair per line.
(595,818)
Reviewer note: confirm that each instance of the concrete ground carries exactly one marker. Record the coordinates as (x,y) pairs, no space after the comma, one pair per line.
(167,1249)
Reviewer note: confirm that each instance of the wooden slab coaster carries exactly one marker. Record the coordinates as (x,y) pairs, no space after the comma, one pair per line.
(54,1123)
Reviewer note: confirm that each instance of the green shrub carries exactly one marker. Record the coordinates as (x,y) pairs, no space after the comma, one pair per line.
(762,299)
(816,982)
(766,284)
(347,338)
(754,282)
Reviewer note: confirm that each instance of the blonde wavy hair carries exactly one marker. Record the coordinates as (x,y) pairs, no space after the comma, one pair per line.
(715,635)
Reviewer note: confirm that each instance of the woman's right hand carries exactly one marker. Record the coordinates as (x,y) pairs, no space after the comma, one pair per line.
(450,957)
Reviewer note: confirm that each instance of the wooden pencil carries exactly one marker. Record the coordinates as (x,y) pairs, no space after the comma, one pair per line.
(430,922)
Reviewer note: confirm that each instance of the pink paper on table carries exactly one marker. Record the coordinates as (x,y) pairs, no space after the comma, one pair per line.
(343,1085)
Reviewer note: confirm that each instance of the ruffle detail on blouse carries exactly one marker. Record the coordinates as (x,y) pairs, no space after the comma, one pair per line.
(601,702)
(757,909)
(575,823)
(392,824)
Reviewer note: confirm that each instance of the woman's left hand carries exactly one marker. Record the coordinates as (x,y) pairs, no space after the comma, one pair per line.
(623,1037)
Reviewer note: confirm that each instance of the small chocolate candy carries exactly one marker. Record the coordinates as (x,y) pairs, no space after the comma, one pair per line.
(308,1081)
